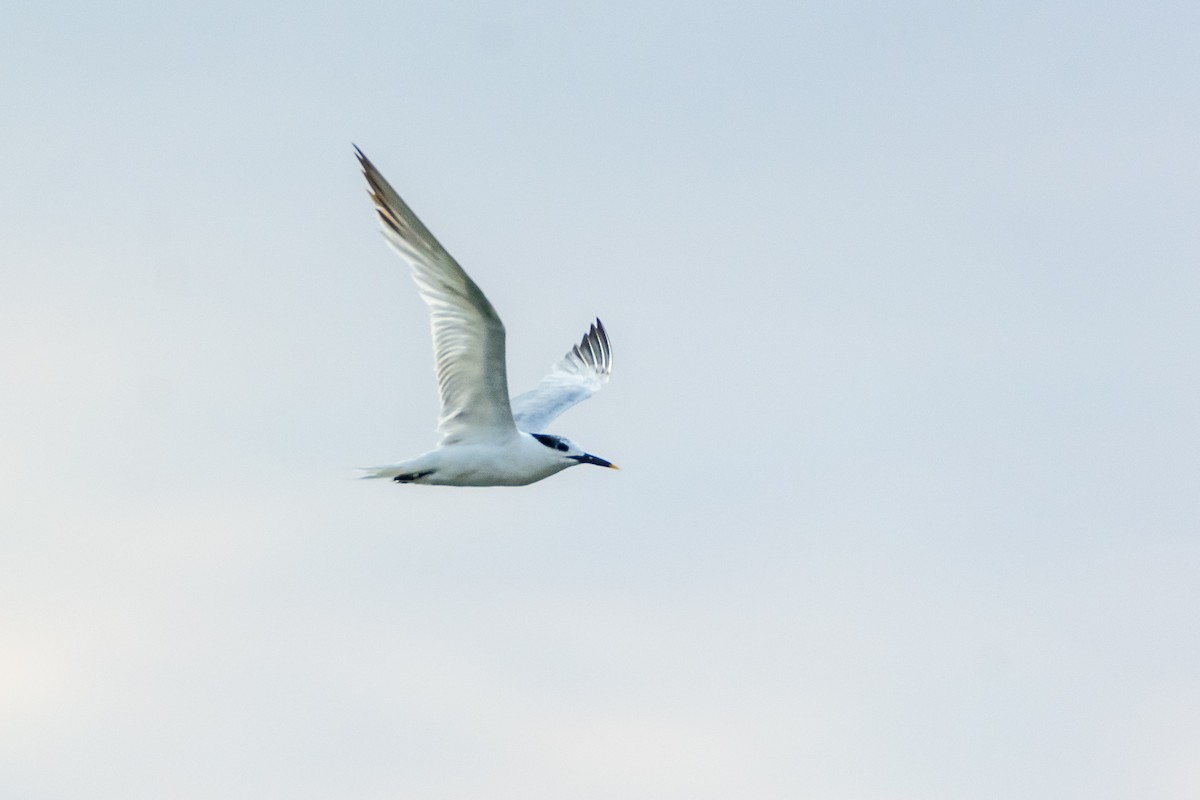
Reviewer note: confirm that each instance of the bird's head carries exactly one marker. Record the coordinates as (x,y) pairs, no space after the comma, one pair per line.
(570,452)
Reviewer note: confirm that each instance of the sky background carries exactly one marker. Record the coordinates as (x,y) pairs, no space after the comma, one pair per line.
(904,303)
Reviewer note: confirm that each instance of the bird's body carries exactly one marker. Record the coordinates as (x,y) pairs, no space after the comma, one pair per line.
(518,461)
(488,439)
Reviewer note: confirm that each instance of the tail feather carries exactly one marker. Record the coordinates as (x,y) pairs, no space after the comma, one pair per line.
(407,472)
(389,471)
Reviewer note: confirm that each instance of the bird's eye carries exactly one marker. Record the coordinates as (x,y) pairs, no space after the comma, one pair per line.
(562,447)
(548,441)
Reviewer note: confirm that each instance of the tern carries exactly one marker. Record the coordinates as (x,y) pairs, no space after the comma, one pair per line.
(487,439)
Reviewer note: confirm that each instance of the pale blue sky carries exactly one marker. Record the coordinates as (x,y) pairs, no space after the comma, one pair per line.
(904,308)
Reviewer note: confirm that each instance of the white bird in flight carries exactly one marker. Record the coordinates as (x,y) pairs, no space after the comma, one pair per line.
(487,439)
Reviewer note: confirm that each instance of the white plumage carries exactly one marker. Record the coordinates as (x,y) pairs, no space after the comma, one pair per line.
(487,440)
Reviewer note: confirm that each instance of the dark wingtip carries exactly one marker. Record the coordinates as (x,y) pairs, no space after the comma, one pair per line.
(363,161)
(605,346)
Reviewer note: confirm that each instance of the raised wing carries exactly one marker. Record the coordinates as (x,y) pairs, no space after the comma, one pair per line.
(575,378)
(468,337)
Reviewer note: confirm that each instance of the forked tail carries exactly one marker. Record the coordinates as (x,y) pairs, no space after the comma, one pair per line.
(389,471)
(400,473)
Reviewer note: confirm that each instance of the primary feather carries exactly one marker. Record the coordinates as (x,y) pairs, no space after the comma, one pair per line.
(576,377)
